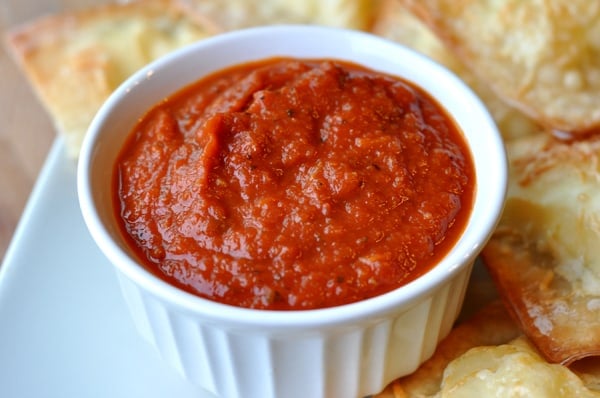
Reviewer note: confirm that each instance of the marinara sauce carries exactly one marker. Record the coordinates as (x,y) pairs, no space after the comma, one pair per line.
(294,184)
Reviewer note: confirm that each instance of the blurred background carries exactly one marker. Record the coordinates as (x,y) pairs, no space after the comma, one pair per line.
(26,132)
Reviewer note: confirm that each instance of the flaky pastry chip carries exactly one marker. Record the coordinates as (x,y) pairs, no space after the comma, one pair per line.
(75,60)
(512,370)
(394,21)
(545,254)
(488,356)
(237,14)
(542,56)
(490,326)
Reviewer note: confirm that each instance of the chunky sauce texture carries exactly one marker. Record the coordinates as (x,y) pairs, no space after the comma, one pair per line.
(294,184)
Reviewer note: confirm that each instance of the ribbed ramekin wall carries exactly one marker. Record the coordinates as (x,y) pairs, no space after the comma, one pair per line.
(342,361)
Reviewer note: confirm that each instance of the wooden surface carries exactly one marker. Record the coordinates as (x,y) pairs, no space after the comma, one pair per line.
(26,132)
(25,137)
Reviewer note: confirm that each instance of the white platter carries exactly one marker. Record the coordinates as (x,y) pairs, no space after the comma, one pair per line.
(64,328)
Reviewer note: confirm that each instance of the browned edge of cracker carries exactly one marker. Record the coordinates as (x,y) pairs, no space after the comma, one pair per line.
(491,325)
(24,38)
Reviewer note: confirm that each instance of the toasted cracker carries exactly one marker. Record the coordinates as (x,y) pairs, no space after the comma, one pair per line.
(237,14)
(490,326)
(394,21)
(541,56)
(487,355)
(545,257)
(75,60)
(510,370)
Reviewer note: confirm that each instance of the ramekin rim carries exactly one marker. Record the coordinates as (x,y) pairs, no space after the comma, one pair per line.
(373,307)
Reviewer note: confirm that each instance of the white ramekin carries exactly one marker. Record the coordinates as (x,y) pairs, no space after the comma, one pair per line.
(347,351)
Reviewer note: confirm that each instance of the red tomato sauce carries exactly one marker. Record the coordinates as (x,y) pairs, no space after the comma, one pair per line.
(294,184)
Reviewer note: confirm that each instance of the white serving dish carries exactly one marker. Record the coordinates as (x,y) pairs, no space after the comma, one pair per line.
(65,330)
(346,351)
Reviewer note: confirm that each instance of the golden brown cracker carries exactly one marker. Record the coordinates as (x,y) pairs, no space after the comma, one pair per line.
(490,326)
(237,14)
(544,256)
(509,370)
(541,56)
(74,60)
(487,355)
(394,21)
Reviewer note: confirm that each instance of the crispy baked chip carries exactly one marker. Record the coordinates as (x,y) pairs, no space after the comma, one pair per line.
(75,60)
(542,56)
(394,21)
(236,14)
(510,370)
(490,326)
(488,356)
(545,254)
